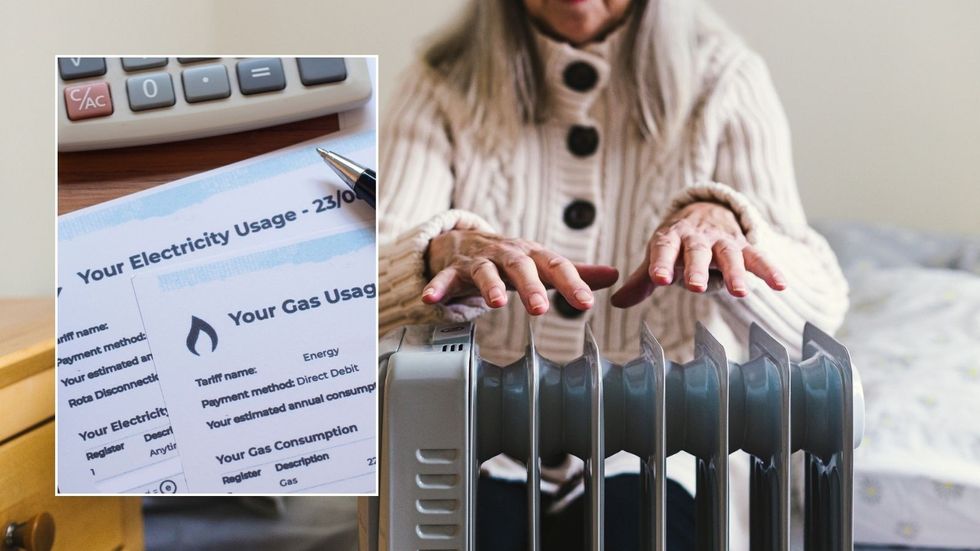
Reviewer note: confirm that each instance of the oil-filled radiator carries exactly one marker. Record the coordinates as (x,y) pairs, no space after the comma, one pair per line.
(444,410)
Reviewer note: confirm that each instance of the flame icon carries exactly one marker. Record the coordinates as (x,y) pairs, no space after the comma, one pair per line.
(199,326)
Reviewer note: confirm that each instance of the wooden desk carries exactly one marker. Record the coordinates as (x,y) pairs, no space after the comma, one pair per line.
(27,488)
(87,178)
(26,365)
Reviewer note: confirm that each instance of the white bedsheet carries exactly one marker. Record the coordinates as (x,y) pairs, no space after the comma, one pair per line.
(914,335)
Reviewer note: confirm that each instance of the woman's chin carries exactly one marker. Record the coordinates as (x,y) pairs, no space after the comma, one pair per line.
(575,28)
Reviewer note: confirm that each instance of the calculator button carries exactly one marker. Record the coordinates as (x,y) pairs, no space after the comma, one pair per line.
(206,83)
(85,101)
(150,91)
(260,75)
(321,70)
(140,63)
(80,67)
(186,60)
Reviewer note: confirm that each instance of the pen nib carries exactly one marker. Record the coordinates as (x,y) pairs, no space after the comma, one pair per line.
(348,171)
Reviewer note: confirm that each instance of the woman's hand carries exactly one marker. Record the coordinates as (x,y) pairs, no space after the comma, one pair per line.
(467,263)
(701,236)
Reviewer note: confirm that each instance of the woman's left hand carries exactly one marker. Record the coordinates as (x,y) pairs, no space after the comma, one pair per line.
(699,237)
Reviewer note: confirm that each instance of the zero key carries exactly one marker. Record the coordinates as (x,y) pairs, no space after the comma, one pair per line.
(89,100)
(72,68)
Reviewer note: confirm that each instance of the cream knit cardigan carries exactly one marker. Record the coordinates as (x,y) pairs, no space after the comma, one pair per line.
(737,152)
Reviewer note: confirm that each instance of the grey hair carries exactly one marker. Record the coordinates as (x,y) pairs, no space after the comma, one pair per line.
(489,58)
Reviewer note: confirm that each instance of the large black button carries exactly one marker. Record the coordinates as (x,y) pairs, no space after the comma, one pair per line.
(580,76)
(563,308)
(579,214)
(583,140)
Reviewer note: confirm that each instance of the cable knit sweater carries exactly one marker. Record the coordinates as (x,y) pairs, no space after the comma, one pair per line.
(736,151)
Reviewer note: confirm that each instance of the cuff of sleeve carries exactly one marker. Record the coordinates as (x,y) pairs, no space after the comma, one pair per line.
(403,268)
(754,227)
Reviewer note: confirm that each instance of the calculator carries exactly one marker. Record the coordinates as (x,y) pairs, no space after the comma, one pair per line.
(107,102)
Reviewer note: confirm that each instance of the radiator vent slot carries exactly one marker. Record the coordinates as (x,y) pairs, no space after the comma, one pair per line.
(436,456)
(436,506)
(436,481)
(436,531)
(457,347)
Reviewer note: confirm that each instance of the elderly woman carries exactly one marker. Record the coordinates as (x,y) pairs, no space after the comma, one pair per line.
(552,144)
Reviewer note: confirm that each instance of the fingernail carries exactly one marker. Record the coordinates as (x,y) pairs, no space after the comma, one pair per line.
(738,286)
(496,295)
(697,280)
(583,296)
(428,291)
(536,301)
(779,280)
(662,273)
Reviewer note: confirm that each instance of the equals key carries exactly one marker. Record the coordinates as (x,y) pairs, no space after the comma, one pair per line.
(257,76)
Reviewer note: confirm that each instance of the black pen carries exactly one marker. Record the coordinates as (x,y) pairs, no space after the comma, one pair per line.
(362,180)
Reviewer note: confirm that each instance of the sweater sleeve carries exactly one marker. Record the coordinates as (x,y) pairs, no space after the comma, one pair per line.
(416,157)
(753,175)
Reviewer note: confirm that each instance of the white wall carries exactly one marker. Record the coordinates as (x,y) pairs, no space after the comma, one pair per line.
(882,94)
(392,29)
(883,97)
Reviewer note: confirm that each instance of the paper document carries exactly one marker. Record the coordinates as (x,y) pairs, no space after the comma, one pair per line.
(114,432)
(266,362)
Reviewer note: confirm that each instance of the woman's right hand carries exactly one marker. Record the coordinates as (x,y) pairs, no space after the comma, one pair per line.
(468,262)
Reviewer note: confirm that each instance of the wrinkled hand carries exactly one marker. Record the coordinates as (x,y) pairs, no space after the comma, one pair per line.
(467,263)
(699,237)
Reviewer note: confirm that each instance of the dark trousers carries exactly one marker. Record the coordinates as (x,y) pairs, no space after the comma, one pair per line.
(501,517)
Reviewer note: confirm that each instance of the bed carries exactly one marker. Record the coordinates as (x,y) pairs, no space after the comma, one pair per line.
(914,334)
(913,331)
